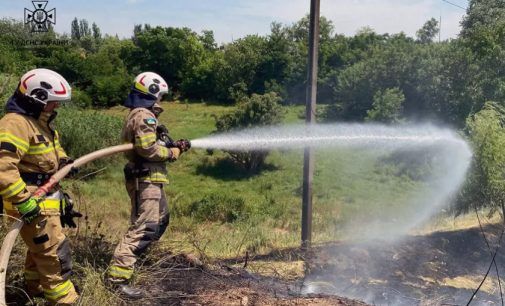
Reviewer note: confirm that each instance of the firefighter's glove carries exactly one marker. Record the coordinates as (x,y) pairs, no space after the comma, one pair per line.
(67,161)
(163,135)
(161,129)
(29,209)
(68,214)
(183,145)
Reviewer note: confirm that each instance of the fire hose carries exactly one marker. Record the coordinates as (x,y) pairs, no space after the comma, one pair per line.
(11,236)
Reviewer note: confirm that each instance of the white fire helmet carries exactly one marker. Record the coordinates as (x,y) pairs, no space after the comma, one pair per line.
(44,85)
(150,83)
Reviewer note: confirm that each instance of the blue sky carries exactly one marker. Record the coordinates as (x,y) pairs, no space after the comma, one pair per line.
(232,19)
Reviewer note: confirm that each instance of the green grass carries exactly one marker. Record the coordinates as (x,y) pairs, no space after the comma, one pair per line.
(184,120)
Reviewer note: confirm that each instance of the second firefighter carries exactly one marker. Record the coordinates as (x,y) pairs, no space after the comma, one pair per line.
(145,176)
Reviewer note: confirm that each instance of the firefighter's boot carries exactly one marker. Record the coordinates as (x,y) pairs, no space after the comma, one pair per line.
(124,288)
(130,291)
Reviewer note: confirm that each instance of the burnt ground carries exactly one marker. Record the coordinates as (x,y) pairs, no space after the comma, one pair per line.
(443,268)
(181,282)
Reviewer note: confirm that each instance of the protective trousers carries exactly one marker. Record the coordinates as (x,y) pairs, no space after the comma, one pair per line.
(48,263)
(149,220)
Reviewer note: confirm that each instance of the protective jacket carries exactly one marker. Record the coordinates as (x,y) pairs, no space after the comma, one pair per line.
(149,155)
(30,153)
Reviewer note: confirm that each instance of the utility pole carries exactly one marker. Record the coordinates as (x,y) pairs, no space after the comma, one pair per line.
(310,118)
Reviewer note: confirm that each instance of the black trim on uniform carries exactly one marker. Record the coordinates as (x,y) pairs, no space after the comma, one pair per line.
(150,235)
(65,257)
(165,221)
(7,146)
(41,239)
(37,179)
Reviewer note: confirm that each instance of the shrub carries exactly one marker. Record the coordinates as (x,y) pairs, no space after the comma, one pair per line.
(83,132)
(110,90)
(80,98)
(219,207)
(485,185)
(417,164)
(387,106)
(8,83)
(258,110)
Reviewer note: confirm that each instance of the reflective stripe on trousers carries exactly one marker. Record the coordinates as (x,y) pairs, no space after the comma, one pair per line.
(119,272)
(59,291)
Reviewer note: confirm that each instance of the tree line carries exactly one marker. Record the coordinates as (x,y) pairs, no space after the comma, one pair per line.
(389,78)
(368,76)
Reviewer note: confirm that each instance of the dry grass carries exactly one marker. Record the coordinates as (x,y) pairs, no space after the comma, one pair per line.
(287,270)
(471,282)
(446,223)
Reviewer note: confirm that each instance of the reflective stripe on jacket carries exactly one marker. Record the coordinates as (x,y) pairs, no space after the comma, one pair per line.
(50,206)
(27,145)
(140,129)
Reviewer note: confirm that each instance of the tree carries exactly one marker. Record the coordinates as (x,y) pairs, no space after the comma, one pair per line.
(105,76)
(258,110)
(97,34)
(483,32)
(485,186)
(75,30)
(295,57)
(175,53)
(390,64)
(208,41)
(87,38)
(84,29)
(241,65)
(482,14)
(427,33)
(387,106)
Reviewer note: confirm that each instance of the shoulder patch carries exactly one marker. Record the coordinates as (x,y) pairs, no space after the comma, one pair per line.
(150,121)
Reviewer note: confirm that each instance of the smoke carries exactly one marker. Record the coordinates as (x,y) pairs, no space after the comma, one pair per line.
(451,158)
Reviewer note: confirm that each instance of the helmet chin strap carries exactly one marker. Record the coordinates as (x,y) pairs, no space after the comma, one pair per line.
(39,95)
(34,99)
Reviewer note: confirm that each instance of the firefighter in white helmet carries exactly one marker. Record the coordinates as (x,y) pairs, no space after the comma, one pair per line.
(145,176)
(30,152)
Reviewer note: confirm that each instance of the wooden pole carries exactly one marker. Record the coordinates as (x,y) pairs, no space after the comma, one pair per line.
(310,118)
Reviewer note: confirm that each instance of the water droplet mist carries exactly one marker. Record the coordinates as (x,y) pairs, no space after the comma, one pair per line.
(454,154)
